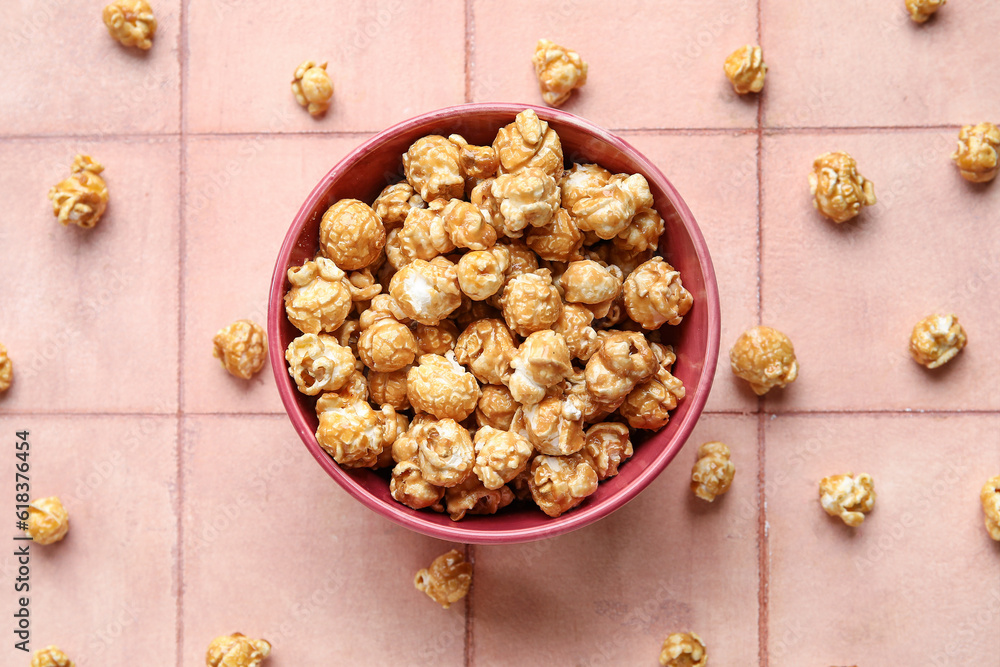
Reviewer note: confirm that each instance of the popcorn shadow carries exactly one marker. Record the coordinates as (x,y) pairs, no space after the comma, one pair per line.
(943,373)
(975,189)
(698,508)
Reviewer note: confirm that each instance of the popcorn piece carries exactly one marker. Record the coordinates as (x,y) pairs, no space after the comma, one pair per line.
(351,234)
(526,197)
(432,168)
(241,347)
(558,241)
(522,260)
(471,497)
(48,521)
(745,69)
(608,211)
(582,181)
(318,363)
(529,142)
(363,287)
(236,650)
(586,281)
(765,358)
(489,206)
(978,147)
(481,273)
(395,202)
(131,22)
(624,360)
(554,426)
(447,580)
(441,386)
(531,303)
(607,446)
(354,390)
(648,406)
(500,456)
(655,295)
(486,347)
(438,339)
(540,362)
(6,370)
(936,339)
(51,656)
(355,434)
(444,451)
(594,409)
(848,496)
(472,311)
(312,87)
(839,191)
(496,408)
(427,292)
(990,497)
(319,299)
(713,471)
(560,483)
(466,226)
(385,344)
(641,235)
(477,163)
(82,198)
(921,10)
(347,335)
(423,235)
(559,71)
(613,254)
(409,487)
(683,650)
(389,388)
(574,326)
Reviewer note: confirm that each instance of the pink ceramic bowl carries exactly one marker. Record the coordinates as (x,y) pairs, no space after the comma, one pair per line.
(375,164)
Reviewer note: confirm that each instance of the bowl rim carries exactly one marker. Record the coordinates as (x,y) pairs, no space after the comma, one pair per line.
(579,517)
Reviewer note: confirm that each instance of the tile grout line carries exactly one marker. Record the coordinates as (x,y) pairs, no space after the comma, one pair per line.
(181,240)
(763,573)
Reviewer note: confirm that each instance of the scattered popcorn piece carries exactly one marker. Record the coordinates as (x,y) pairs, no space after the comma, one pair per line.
(531,303)
(486,347)
(683,649)
(607,445)
(765,358)
(559,71)
(936,339)
(496,408)
(607,212)
(319,299)
(427,292)
(976,156)
(500,456)
(713,471)
(623,361)
(838,190)
(921,10)
(351,234)
(540,362)
(241,347)
(318,363)
(48,521)
(236,650)
(447,580)
(395,202)
(82,198)
(131,22)
(528,197)
(432,167)
(6,370)
(312,87)
(355,434)
(529,142)
(471,497)
(477,163)
(442,387)
(553,425)
(560,483)
(745,69)
(990,497)
(655,295)
(849,497)
(51,656)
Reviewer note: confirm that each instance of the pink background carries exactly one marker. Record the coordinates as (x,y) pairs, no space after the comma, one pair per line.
(195,509)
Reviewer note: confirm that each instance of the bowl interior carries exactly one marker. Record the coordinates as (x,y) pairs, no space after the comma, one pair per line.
(377,163)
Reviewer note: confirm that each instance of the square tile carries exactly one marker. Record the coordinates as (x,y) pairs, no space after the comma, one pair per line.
(66,75)
(90,315)
(610,593)
(671,78)
(254,46)
(848,295)
(835,593)
(859,63)
(301,564)
(106,592)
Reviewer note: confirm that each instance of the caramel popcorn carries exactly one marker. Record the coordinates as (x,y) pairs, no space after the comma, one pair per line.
(713,471)
(6,370)
(655,295)
(921,10)
(745,69)
(648,406)
(395,202)
(486,347)
(496,407)
(990,497)
(607,445)
(554,425)
(574,326)
(586,281)
(351,234)
(437,339)
(427,292)
(441,386)
(559,71)
(978,147)
(641,235)
(409,487)
(529,142)
(431,167)
(558,241)
(355,434)
(481,273)
(471,497)
(936,339)
(317,363)
(466,226)
(236,650)
(765,358)
(131,22)
(528,197)
(48,521)
(82,198)
(540,362)
(607,212)
(848,496)
(613,253)
(582,181)
(500,456)
(839,191)
(477,163)
(447,580)
(51,656)
(355,389)
(319,299)
(623,361)
(531,303)
(241,347)
(385,344)
(423,235)
(560,483)
(444,451)
(312,87)
(683,649)
(389,388)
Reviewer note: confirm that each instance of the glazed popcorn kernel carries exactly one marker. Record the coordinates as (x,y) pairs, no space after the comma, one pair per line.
(355,434)
(236,650)
(838,190)
(477,163)
(318,363)
(936,339)
(48,520)
(422,236)
(559,71)
(486,347)
(849,497)
(395,202)
(471,497)
(389,388)
(241,347)
(432,167)
(560,483)
(648,406)
(529,197)
(990,497)
(976,155)
(351,234)
(312,87)
(427,292)
(655,295)
(529,142)
(6,370)
(642,234)
(559,241)
(51,656)
(554,425)
(623,360)
(765,358)
(444,451)
(713,471)
(441,386)
(82,198)
(481,273)
(131,22)
(530,303)
(385,344)
(607,445)
(586,281)
(574,324)
(447,580)
(408,486)
(354,390)
(437,339)
(319,299)
(683,649)
(500,456)
(496,407)
(582,181)
(608,211)
(540,362)
(921,10)
(745,69)
(466,227)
